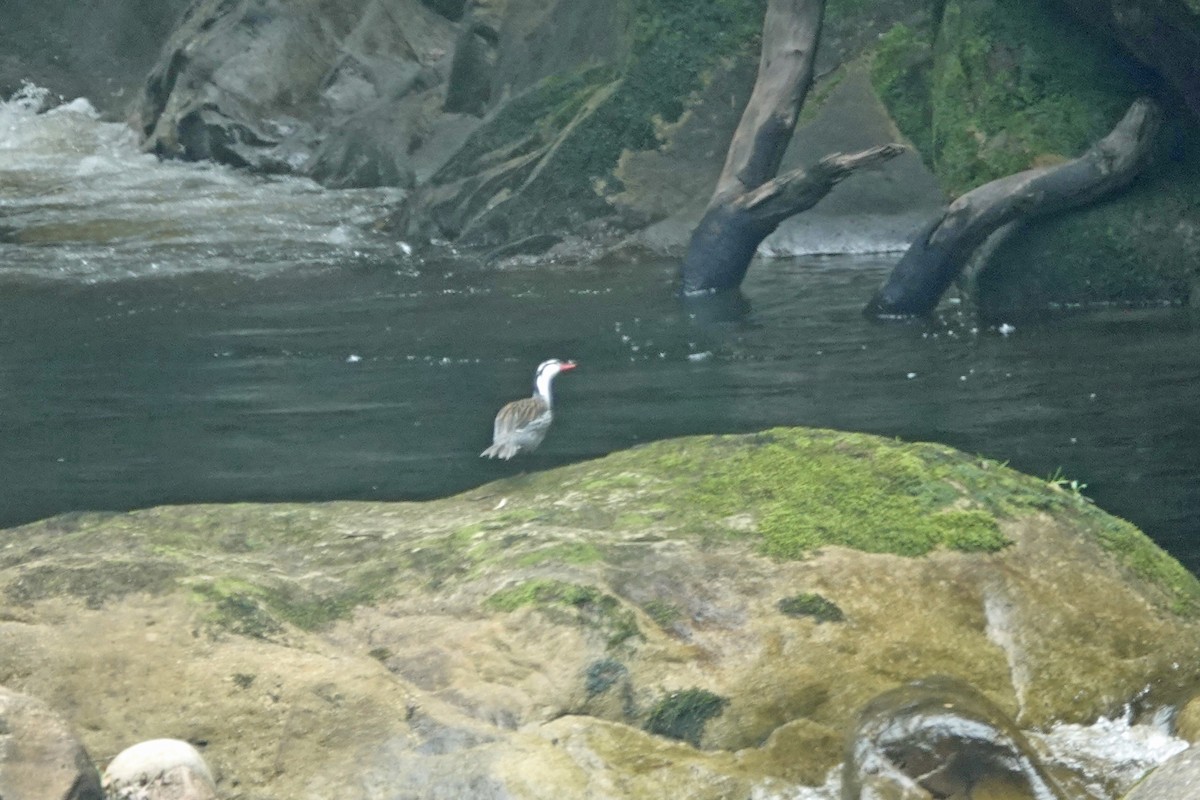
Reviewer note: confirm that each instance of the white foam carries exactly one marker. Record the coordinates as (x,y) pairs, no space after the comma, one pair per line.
(94,207)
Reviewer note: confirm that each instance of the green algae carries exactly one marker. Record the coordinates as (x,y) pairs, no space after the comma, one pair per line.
(585,604)
(1014,84)
(811,604)
(683,715)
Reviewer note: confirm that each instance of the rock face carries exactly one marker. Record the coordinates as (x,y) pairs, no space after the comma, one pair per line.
(101,51)
(40,756)
(1177,779)
(251,84)
(720,608)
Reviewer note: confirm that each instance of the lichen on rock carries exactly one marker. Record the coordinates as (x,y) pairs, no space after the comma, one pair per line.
(639,606)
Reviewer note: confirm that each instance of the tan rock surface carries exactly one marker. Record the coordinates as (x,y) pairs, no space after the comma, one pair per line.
(516,640)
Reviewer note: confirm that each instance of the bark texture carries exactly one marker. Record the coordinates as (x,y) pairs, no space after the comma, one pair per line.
(942,248)
(749,201)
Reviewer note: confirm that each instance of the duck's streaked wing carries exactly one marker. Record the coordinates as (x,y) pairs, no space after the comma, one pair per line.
(518,415)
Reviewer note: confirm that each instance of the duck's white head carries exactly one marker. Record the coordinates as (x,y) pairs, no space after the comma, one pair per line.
(546,372)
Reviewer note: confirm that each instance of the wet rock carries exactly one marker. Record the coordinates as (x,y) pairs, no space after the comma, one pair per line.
(260,84)
(100,51)
(159,769)
(1187,722)
(1176,779)
(555,633)
(939,737)
(40,757)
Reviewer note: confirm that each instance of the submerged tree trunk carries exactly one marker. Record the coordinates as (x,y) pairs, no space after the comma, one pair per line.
(747,204)
(942,248)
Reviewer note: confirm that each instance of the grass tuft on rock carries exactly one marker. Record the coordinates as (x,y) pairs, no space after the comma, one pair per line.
(683,715)
(811,604)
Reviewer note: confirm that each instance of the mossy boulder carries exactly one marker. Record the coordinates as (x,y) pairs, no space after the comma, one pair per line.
(718,606)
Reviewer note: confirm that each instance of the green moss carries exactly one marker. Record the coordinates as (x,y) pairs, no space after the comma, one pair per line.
(901,72)
(1141,556)
(1129,250)
(578,553)
(1016,84)
(238,607)
(859,492)
(520,125)
(683,715)
(663,613)
(594,115)
(796,490)
(585,604)
(810,604)
(260,610)
(94,583)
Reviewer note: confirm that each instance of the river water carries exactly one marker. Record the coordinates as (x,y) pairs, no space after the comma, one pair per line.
(180,333)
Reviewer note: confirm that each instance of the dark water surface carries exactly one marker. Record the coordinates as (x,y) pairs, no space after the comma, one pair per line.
(177,333)
(379,379)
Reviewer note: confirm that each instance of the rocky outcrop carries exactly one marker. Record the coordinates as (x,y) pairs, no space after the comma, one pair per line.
(101,51)
(40,756)
(1177,779)
(720,607)
(259,85)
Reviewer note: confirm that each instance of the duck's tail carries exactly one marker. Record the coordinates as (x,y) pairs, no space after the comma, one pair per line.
(504,450)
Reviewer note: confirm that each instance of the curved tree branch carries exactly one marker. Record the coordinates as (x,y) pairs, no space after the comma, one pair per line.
(942,248)
(749,201)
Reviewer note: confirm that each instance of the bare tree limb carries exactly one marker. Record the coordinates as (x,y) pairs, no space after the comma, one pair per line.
(749,201)
(801,189)
(785,71)
(942,248)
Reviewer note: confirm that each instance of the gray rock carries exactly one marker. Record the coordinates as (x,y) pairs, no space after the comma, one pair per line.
(260,84)
(1177,779)
(40,757)
(100,51)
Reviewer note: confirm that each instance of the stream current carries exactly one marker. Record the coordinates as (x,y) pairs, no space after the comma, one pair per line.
(177,333)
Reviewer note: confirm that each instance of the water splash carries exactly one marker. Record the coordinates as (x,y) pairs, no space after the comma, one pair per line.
(81,201)
(1110,755)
